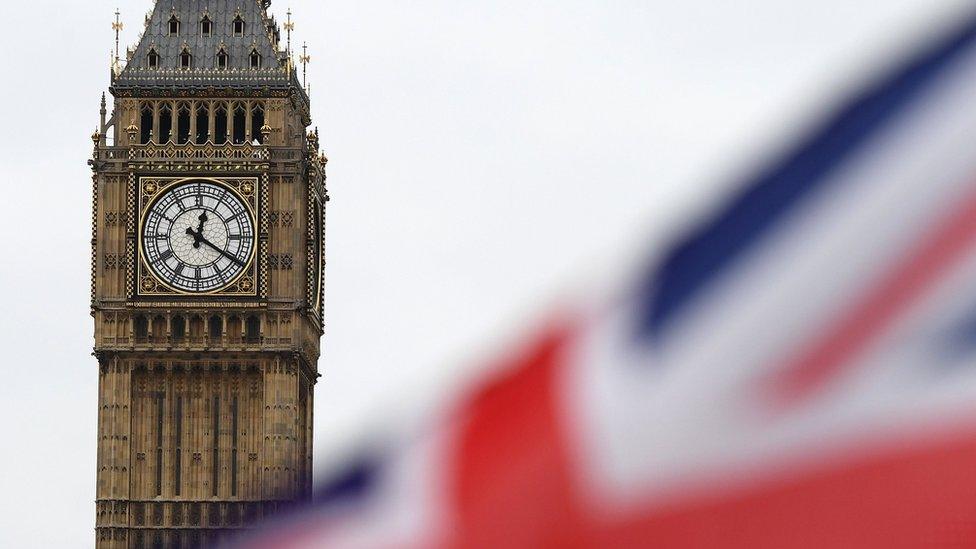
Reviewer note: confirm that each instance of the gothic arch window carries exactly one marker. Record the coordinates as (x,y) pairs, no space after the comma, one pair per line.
(240,124)
(186,60)
(216,327)
(178,326)
(174,26)
(234,328)
(223,60)
(196,327)
(238,26)
(255,59)
(146,127)
(220,124)
(203,124)
(159,329)
(152,60)
(165,123)
(257,122)
(206,26)
(141,328)
(252,329)
(183,124)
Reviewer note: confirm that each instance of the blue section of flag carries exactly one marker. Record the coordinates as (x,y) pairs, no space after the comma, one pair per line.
(710,251)
(357,480)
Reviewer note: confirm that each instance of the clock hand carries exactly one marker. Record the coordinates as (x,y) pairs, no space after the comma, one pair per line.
(222,252)
(197,236)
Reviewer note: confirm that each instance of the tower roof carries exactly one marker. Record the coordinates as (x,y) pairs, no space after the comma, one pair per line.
(219,59)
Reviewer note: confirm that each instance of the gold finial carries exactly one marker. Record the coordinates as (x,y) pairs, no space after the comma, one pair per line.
(305,59)
(289,26)
(117,26)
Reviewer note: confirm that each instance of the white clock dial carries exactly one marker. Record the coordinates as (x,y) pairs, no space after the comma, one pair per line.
(198,237)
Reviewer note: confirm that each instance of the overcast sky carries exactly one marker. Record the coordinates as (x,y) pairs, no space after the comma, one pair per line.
(488,161)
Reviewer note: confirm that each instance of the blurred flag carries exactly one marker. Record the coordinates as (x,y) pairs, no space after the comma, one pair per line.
(799,370)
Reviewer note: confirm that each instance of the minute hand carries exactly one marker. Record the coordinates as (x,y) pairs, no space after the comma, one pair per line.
(222,252)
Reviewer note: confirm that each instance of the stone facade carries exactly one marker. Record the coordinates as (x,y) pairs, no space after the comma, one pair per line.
(205,398)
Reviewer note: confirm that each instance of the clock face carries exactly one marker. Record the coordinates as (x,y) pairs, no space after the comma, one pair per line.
(198,237)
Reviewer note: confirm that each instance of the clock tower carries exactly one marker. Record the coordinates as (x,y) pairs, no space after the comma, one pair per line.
(208,197)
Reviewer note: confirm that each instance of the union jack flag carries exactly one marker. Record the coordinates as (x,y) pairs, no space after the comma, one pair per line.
(797,370)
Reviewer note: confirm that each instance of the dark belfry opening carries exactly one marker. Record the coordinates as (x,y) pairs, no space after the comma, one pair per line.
(222,59)
(186,60)
(206,26)
(257,122)
(240,124)
(165,124)
(183,125)
(174,25)
(152,60)
(238,26)
(203,124)
(255,59)
(146,125)
(220,125)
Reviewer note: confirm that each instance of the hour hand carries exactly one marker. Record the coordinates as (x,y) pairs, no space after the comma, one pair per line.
(197,236)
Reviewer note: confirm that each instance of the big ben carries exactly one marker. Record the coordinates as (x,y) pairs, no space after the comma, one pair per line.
(208,198)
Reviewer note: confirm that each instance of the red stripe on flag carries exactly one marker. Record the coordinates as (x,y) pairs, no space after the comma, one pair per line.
(516,488)
(513,479)
(923,497)
(828,355)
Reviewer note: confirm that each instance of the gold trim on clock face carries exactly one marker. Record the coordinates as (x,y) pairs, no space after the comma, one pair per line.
(197,236)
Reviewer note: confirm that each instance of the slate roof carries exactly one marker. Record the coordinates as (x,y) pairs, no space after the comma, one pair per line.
(258,29)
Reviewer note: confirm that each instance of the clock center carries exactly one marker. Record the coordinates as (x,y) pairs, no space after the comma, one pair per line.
(192,250)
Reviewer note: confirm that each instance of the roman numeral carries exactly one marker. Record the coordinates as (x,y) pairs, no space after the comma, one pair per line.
(166,255)
(197,275)
(179,269)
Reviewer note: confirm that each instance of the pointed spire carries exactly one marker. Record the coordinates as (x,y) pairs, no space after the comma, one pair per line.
(289,26)
(117,26)
(305,59)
